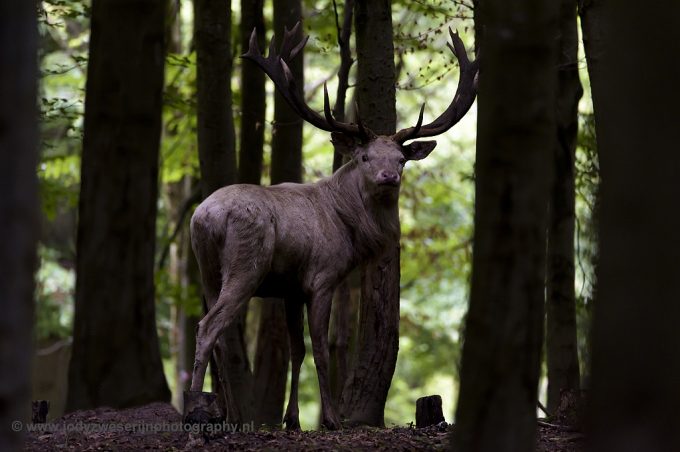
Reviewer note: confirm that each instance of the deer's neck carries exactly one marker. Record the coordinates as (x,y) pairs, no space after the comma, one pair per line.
(371,222)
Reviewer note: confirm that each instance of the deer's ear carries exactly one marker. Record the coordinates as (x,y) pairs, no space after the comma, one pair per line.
(418,149)
(344,144)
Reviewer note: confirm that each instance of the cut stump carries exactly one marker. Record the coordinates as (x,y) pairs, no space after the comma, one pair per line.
(201,408)
(429,411)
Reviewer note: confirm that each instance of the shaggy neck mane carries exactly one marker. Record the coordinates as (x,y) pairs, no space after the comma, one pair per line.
(372,222)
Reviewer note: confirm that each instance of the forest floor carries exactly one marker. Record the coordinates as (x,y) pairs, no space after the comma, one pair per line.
(106,429)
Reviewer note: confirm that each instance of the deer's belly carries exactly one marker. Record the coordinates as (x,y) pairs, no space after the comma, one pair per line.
(279,285)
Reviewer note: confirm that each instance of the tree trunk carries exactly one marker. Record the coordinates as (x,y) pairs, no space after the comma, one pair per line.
(636,361)
(18,210)
(217,155)
(365,393)
(273,353)
(116,360)
(516,133)
(561,344)
(343,311)
(253,97)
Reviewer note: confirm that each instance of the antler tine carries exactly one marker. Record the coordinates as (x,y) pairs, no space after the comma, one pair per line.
(351,129)
(462,100)
(286,45)
(276,67)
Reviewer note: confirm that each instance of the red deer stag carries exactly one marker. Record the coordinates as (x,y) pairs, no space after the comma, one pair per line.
(298,241)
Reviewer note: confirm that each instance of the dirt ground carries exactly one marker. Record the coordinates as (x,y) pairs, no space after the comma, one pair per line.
(133,430)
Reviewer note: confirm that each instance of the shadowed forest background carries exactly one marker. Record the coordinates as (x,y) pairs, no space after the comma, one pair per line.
(174,114)
(436,198)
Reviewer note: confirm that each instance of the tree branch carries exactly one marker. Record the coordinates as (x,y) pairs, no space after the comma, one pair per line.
(188,203)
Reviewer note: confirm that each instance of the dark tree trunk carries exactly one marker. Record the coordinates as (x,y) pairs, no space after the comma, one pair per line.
(516,134)
(116,360)
(273,353)
(253,97)
(287,133)
(271,363)
(343,316)
(18,210)
(636,360)
(217,154)
(562,347)
(216,136)
(365,394)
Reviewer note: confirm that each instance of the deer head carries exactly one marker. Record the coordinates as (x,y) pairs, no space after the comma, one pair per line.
(380,158)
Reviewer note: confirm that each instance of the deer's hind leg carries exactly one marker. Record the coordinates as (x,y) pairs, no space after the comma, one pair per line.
(244,262)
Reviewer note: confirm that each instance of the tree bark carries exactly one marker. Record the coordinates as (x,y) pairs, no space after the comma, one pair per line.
(343,312)
(365,393)
(273,353)
(635,361)
(253,97)
(116,359)
(18,210)
(217,155)
(516,133)
(561,344)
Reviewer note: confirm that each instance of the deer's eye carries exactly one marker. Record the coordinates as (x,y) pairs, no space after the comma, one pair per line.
(364,158)
(402,161)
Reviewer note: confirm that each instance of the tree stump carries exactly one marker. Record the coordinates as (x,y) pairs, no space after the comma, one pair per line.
(429,411)
(201,408)
(40,410)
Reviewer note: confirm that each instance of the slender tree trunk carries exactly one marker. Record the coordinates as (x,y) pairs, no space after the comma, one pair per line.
(273,353)
(183,268)
(343,316)
(253,97)
(562,347)
(116,360)
(636,360)
(217,155)
(18,210)
(516,133)
(365,394)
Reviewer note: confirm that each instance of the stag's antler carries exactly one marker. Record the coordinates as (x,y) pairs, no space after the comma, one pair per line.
(276,67)
(462,100)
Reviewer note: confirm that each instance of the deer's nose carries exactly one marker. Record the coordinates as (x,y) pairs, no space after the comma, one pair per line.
(387,177)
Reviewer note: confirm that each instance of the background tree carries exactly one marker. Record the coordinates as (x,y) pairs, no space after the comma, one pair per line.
(635,364)
(516,133)
(18,210)
(114,314)
(343,311)
(217,156)
(253,97)
(365,394)
(272,353)
(562,347)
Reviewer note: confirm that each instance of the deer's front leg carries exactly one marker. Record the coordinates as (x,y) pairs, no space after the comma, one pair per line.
(319,314)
